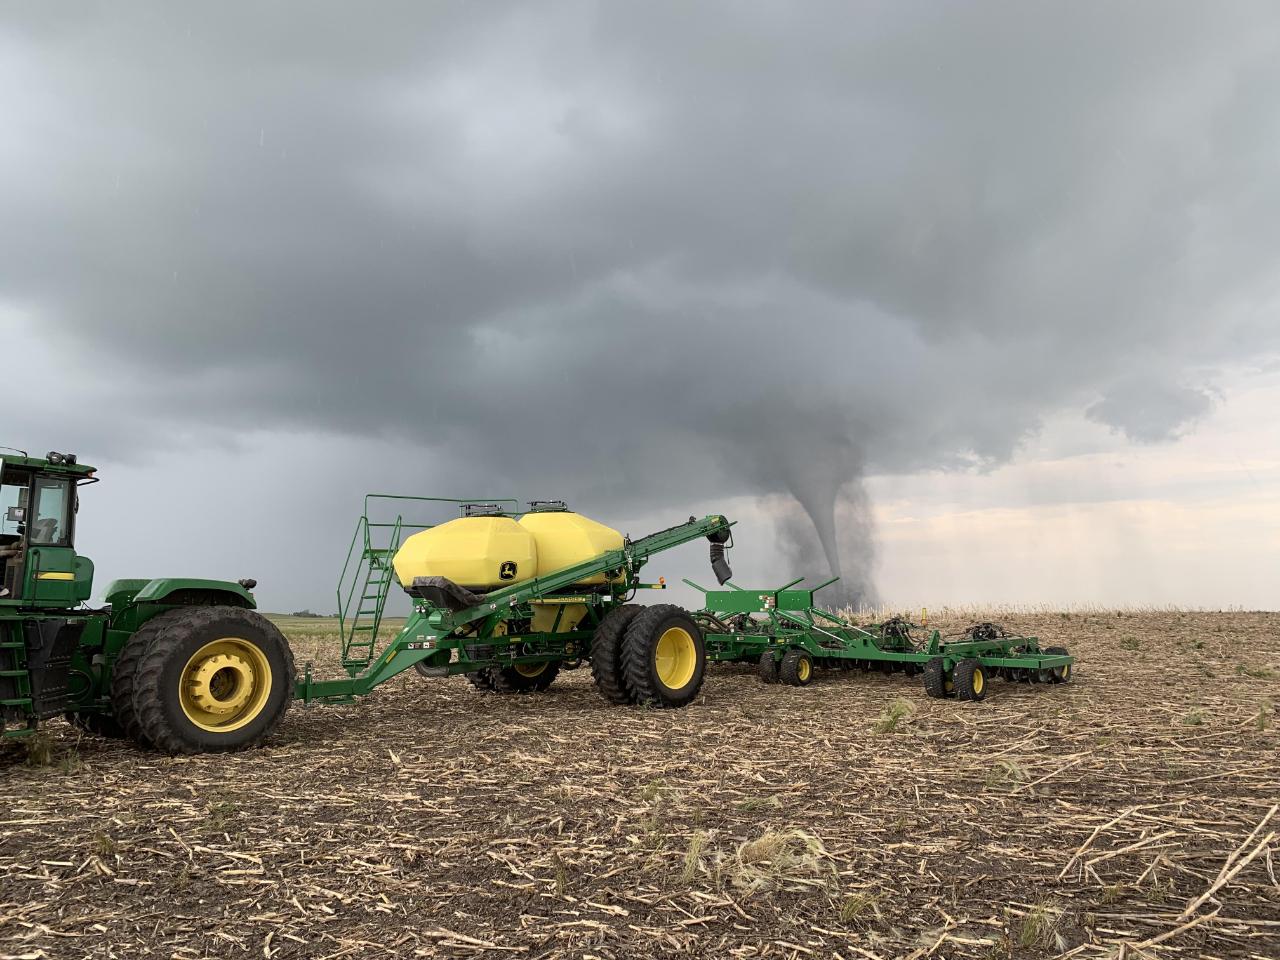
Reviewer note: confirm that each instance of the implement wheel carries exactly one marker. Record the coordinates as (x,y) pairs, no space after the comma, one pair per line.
(214,679)
(796,669)
(481,680)
(768,667)
(936,681)
(664,656)
(1058,674)
(524,677)
(606,653)
(970,680)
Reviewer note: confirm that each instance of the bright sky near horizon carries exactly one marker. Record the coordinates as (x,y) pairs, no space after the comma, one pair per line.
(976,303)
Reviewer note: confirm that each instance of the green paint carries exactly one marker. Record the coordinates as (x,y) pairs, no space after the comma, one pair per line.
(787,618)
(45,673)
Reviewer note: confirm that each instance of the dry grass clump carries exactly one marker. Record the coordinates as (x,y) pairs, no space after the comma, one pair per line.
(893,715)
(780,859)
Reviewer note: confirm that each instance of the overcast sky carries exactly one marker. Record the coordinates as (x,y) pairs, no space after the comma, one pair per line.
(976,302)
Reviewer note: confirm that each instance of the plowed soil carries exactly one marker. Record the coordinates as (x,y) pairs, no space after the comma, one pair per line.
(1129,813)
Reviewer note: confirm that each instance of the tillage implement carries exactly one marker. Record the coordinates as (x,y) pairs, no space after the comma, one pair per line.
(505,597)
(787,636)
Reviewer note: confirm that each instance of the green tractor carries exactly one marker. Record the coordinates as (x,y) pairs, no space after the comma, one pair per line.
(177,664)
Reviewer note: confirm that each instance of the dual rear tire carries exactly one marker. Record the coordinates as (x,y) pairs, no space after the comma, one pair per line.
(968,680)
(794,669)
(202,680)
(653,656)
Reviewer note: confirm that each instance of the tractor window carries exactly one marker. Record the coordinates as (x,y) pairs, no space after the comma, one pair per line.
(13,503)
(50,524)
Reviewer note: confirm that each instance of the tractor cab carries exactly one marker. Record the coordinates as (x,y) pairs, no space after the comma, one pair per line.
(38,501)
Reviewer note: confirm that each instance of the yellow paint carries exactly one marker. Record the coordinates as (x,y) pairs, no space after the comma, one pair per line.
(565,539)
(473,552)
(531,669)
(675,658)
(803,669)
(55,576)
(225,684)
(979,680)
(544,616)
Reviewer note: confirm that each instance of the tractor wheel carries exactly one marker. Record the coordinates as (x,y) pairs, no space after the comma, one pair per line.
(768,667)
(1058,674)
(936,682)
(606,653)
(98,724)
(796,669)
(124,672)
(970,680)
(664,656)
(214,679)
(524,677)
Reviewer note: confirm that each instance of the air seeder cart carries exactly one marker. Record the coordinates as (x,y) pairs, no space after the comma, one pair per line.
(516,638)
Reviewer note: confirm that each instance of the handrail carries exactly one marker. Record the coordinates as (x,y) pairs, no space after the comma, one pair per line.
(363,535)
(400,496)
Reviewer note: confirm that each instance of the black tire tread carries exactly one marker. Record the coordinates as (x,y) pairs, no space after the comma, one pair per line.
(148,702)
(124,673)
(508,680)
(637,655)
(98,724)
(606,653)
(789,670)
(768,667)
(962,680)
(935,678)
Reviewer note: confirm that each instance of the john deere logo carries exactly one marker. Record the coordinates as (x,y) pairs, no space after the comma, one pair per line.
(507,571)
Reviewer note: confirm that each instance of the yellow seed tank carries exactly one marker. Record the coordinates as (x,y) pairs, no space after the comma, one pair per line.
(479,553)
(565,538)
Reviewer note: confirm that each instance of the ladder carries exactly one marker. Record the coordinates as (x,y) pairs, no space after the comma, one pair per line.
(15,684)
(362,599)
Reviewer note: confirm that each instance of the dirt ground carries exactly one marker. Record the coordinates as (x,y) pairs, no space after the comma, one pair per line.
(1130,813)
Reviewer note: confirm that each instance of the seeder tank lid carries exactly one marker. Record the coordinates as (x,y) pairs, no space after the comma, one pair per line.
(548,506)
(483,510)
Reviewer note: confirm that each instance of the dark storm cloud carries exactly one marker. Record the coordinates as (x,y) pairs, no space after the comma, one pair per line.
(646,252)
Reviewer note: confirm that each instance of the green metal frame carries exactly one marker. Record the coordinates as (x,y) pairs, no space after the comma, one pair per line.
(791,619)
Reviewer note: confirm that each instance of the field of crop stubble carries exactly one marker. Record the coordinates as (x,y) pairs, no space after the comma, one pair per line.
(1131,813)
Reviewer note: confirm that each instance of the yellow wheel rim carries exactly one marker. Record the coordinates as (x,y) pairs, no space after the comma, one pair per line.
(225,684)
(979,681)
(531,669)
(802,669)
(675,657)
(1064,673)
